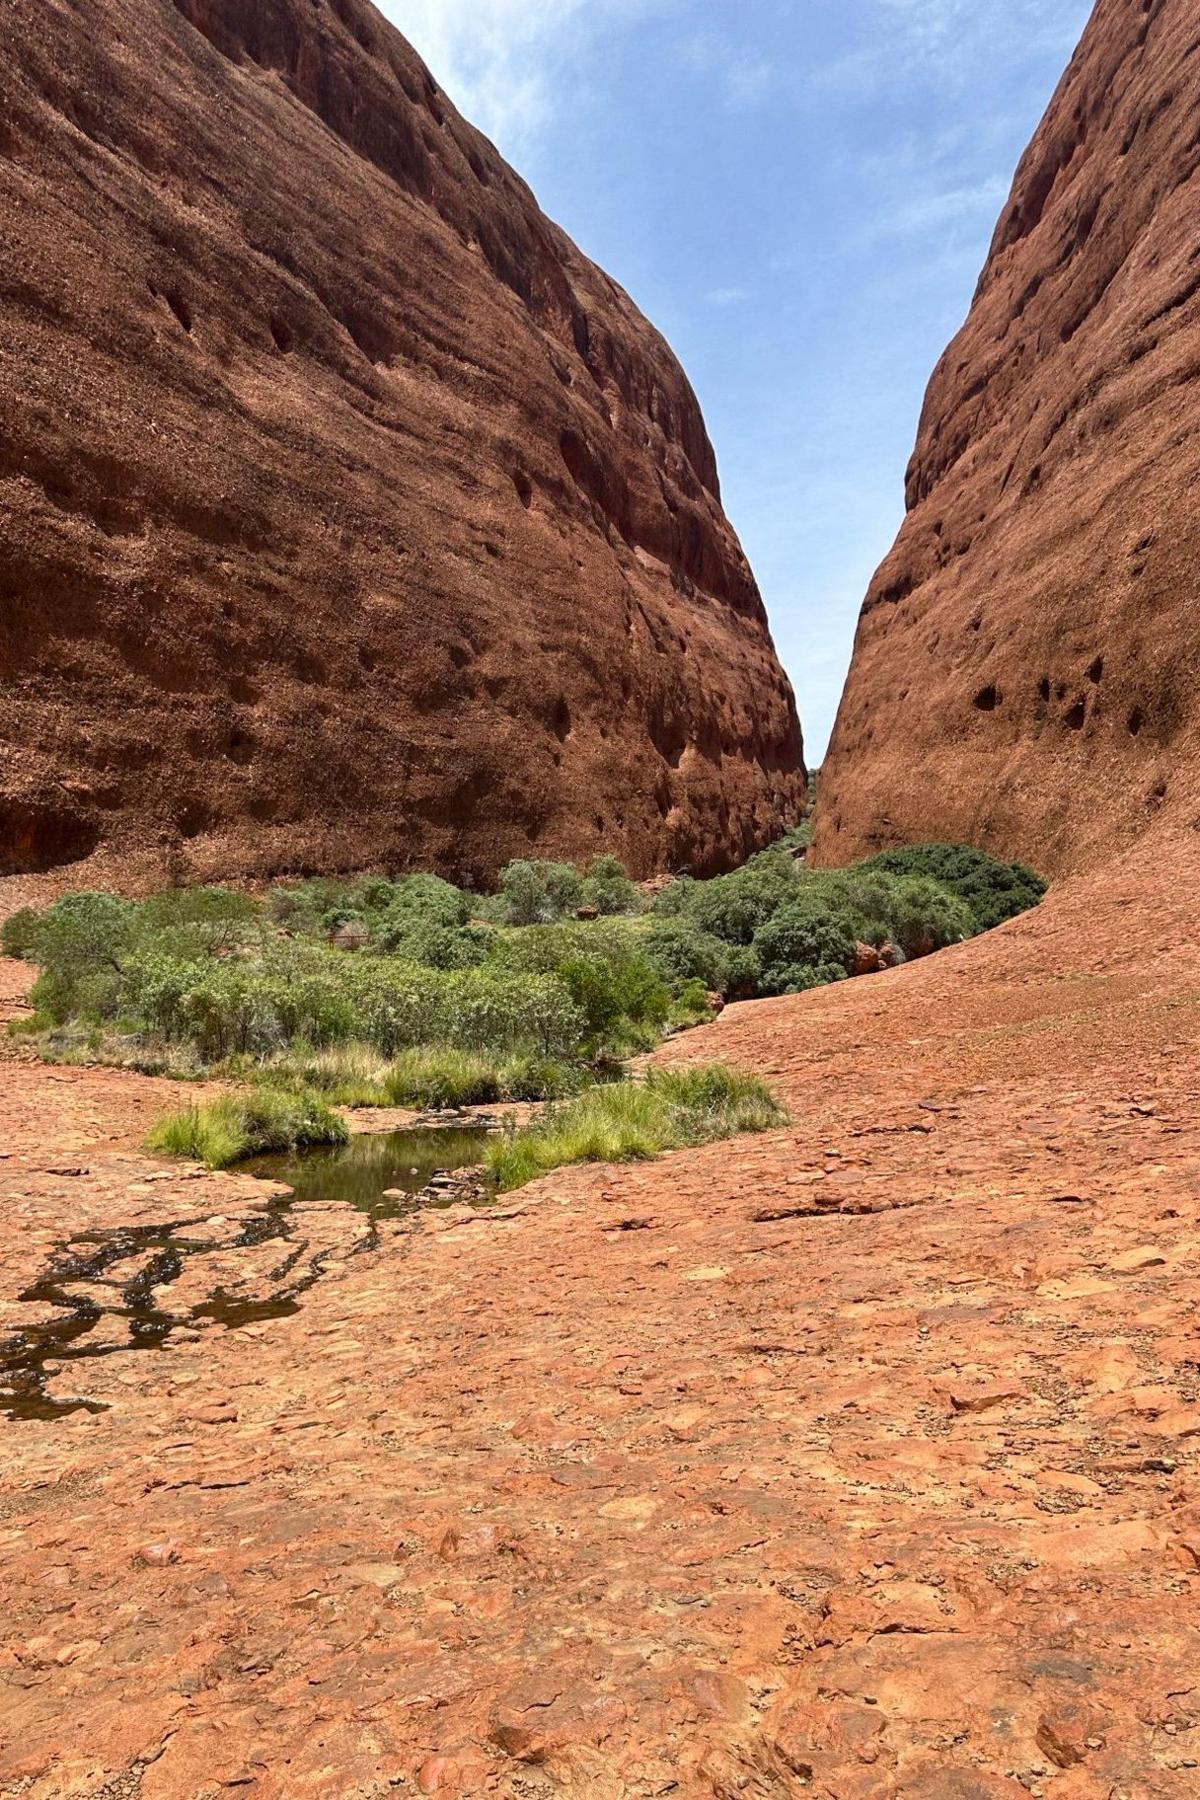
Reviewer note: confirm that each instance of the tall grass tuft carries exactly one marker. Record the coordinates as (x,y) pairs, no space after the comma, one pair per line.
(343,1074)
(633,1122)
(242,1125)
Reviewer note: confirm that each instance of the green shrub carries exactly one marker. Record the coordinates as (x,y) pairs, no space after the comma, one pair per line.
(682,953)
(605,969)
(608,888)
(861,899)
(803,945)
(744,978)
(303,906)
(927,917)
(674,901)
(80,945)
(733,907)
(994,890)
(242,1125)
(19,932)
(690,1007)
(195,906)
(537,893)
(421,904)
(610,997)
(632,1122)
(318,996)
(443,946)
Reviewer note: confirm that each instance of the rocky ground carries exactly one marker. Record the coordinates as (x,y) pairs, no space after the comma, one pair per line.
(858,1461)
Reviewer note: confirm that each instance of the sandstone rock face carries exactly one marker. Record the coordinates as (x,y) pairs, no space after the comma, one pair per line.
(1025,670)
(352,517)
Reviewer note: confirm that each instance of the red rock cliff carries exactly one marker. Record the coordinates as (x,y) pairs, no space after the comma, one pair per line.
(1026,669)
(351,516)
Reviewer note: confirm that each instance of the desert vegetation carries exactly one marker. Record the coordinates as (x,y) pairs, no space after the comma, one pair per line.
(241,1125)
(635,1121)
(413,992)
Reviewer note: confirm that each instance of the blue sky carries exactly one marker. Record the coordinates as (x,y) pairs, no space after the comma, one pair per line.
(800,194)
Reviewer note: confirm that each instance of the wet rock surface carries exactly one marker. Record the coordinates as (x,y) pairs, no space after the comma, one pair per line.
(858,1460)
(352,516)
(1017,672)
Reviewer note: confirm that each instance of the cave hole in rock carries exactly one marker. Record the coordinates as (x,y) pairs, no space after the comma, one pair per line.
(282,333)
(180,308)
(1076,715)
(193,818)
(1136,720)
(987,699)
(1095,672)
(240,747)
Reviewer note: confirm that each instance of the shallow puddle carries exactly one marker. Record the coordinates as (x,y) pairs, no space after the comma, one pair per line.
(380,1174)
(120,1278)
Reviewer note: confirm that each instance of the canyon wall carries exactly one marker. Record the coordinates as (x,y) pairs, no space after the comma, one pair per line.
(1025,674)
(352,517)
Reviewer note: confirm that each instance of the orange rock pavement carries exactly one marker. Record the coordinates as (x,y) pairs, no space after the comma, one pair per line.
(860,1460)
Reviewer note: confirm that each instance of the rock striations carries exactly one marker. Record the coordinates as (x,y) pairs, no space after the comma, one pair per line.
(1026,669)
(352,517)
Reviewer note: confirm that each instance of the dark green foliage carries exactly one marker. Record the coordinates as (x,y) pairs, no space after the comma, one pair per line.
(860,900)
(442,946)
(744,978)
(682,953)
(538,893)
(609,889)
(994,890)
(18,934)
(604,968)
(610,996)
(675,900)
(733,907)
(419,905)
(927,917)
(804,945)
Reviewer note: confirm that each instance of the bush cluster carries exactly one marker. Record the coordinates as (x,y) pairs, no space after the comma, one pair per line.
(993,890)
(777,927)
(375,974)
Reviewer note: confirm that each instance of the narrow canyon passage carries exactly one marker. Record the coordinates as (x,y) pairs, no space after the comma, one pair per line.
(859,1459)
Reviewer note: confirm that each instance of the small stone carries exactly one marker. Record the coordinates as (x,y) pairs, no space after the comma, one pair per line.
(158,1556)
(1132,1262)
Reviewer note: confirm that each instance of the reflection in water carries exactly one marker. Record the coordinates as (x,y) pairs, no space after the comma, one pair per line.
(380,1176)
(370,1167)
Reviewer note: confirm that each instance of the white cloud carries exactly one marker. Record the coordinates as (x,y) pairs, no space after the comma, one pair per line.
(510,65)
(728,296)
(939,211)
